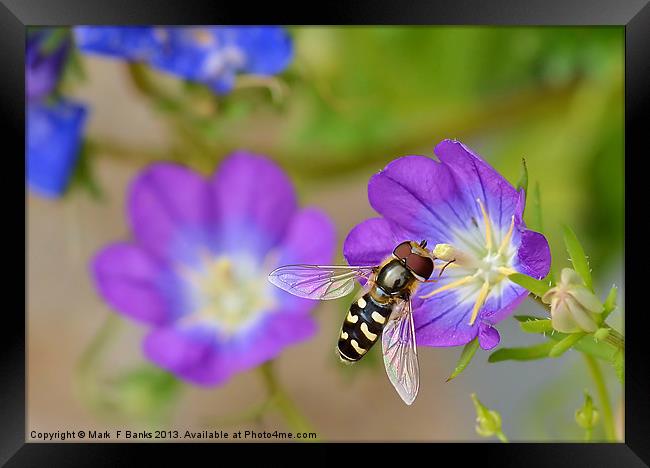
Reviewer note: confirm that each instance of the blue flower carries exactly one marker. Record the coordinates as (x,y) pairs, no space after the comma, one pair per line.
(43,69)
(131,43)
(54,125)
(53,142)
(212,55)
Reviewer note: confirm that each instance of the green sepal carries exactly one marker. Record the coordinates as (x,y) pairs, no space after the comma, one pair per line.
(537,287)
(565,344)
(523,178)
(610,303)
(578,257)
(528,353)
(601,334)
(536,326)
(465,357)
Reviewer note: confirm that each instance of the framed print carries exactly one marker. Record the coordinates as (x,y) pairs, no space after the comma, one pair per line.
(373,224)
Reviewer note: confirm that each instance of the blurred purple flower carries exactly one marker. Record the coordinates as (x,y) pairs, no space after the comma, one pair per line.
(43,68)
(475,215)
(54,133)
(212,55)
(197,269)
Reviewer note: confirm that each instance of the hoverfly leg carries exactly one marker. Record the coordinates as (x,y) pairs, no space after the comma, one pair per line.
(446,265)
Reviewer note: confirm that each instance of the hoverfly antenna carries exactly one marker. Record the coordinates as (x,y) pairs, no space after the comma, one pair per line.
(423,244)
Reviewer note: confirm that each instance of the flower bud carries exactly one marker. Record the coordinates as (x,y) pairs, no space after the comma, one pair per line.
(574,307)
(587,416)
(488,422)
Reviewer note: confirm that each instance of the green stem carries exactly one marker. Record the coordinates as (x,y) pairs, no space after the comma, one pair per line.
(588,433)
(502,437)
(283,403)
(603,397)
(89,361)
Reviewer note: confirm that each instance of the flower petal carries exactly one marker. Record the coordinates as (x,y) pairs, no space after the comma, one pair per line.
(127,278)
(369,242)
(443,320)
(310,238)
(561,317)
(581,316)
(133,43)
(167,203)
(488,336)
(204,357)
(253,201)
(534,255)
(480,181)
(418,194)
(268,50)
(188,353)
(587,299)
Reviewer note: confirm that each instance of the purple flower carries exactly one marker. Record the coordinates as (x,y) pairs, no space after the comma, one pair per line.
(196,271)
(475,216)
(43,69)
(212,55)
(53,143)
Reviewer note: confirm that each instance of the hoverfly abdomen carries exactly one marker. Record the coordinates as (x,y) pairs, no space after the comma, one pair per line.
(362,327)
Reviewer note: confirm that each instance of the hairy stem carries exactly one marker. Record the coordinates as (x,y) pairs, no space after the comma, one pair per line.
(603,397)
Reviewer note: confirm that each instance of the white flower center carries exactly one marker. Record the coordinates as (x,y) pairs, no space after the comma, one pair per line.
(230,292)
(482,259)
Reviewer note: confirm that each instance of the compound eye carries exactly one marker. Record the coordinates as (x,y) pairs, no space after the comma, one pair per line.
(421,266)
(403,250)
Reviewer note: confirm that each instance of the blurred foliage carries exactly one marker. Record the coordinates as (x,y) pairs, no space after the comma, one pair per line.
(358,97)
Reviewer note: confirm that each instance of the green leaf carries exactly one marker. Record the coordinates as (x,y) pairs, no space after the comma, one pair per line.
(537,326)
(589,345)
(465,357)
(578,257)
(529,353)
(565,344)
(537,287)
(610,303)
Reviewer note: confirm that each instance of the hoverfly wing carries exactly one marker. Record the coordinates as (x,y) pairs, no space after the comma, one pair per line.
(400,352)
(322,282)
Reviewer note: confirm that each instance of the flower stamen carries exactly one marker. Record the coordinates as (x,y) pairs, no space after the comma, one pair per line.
(506,240)
(480,300)
(488,226)
(449,286)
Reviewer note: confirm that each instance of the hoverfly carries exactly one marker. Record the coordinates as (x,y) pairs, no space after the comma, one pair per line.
(383,308)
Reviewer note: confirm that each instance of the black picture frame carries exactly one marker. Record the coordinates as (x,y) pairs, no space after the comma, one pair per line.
(633,15)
